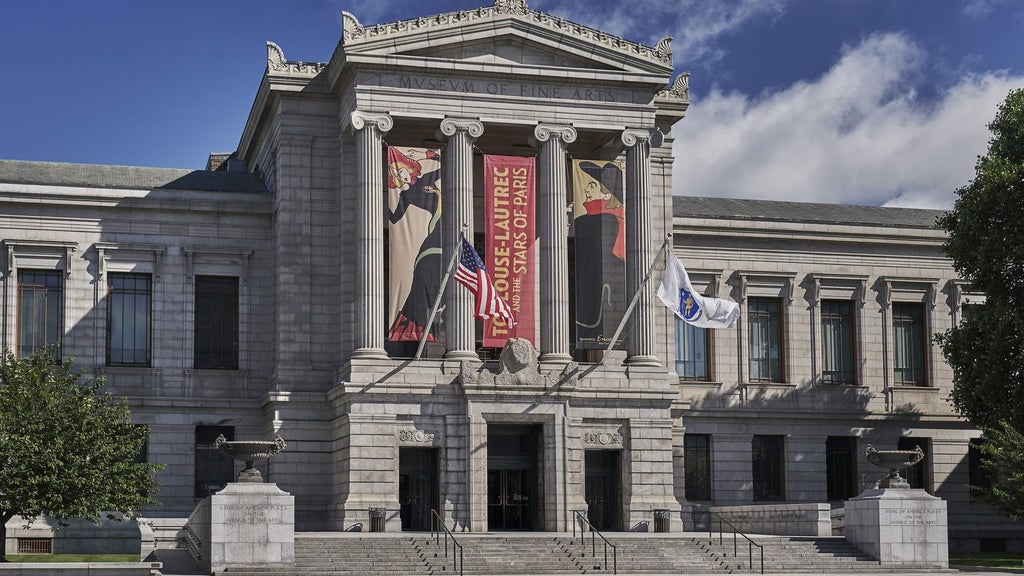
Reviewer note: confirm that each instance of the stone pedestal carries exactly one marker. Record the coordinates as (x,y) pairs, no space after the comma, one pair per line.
(899,527)
(243,525)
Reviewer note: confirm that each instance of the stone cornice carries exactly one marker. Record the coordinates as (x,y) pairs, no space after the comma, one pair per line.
(355,33)
(277,64)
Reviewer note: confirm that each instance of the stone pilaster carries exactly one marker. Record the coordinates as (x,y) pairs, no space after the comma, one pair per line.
(554,266)
(640,343)
(458,211)
(369,326)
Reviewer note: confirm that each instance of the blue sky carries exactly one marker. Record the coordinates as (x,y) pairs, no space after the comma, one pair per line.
(851,101)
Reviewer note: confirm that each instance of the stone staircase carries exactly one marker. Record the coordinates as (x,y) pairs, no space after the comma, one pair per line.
(346,554)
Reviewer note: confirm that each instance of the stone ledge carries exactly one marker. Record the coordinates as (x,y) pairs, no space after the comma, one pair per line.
(81,569)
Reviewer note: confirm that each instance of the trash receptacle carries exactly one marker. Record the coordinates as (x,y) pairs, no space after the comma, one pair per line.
(662,521)
(377,518)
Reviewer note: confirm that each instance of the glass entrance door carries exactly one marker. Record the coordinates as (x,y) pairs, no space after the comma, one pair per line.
(509,499)
(417,487)
(513,486)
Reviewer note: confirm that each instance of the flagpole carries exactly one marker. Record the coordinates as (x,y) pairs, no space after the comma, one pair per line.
(636,298)
(440,292)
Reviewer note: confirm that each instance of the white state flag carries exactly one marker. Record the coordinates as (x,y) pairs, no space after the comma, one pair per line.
(678,294)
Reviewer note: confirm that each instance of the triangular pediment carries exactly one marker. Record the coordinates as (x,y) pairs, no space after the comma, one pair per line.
(508,49)
(506,33)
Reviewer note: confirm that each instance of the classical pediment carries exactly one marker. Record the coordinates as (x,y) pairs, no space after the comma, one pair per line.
(508,32)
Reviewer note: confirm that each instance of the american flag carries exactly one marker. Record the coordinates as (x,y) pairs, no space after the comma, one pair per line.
(473,275)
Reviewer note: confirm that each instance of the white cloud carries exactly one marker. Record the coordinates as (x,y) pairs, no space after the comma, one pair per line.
(695,25)
(856,135)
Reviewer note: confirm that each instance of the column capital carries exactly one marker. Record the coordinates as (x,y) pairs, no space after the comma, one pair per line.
(472,126)
(544,132)
(632,136)
(382,120)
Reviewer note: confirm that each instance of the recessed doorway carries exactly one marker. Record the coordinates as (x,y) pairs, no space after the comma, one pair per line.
(603,475)
(513,487)
(417,487)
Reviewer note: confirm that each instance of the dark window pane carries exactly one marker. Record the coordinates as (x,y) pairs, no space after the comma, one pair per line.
(40,309)
(216,322)
(691,351)
(768,460)
(841,467)
(697,451)
(129,300)
(837,342)
(214,469)
(917,475)
(765,326)
(908,342)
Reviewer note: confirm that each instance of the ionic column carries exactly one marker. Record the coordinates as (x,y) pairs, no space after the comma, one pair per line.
(554,260)
(457,196)
(369,329)
(640,343)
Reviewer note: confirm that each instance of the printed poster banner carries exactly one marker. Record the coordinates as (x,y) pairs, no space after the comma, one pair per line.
(414,218)
(599,222)
(511,245)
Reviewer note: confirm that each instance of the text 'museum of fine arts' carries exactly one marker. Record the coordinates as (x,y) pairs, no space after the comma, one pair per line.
(285,291)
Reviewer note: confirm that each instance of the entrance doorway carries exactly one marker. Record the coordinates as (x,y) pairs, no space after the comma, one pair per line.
(512,477)
(417,487)
(603,491)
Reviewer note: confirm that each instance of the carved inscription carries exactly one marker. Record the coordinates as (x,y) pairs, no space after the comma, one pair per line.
(252,513)
(417,436)
(511,89)
(602,438)
(914,517)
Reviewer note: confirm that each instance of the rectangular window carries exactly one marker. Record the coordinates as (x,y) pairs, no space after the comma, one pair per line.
(40,309)
(841,467)
(216,322)
(908,339)
(697,452)
(764,319)
(692,346)
(837,342)
(129,308)
(768,458)
(214,468)
(917,475)
(979,477)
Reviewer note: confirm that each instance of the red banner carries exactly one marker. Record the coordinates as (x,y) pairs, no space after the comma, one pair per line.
(511,244)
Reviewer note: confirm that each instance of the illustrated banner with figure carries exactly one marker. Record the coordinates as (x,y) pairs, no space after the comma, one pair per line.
(510,243)
(414,218)
(599,222)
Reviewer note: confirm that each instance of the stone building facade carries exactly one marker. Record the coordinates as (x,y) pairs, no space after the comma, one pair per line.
(250,300)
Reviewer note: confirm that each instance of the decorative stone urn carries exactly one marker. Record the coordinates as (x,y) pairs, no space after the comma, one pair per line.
(250,452)
(894,461)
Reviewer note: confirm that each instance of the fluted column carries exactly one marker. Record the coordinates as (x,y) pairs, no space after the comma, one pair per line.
(457,197)
(369,329)
(554,259)
(640,344)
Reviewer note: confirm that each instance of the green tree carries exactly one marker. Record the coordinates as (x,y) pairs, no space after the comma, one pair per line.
(1003,457)
(66,450)
(986,348)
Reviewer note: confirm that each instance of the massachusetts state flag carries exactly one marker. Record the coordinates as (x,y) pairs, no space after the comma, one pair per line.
(678,294)
(473,275)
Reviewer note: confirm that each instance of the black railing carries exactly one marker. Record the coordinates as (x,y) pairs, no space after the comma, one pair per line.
(582,521)
(735,547)
(437,525)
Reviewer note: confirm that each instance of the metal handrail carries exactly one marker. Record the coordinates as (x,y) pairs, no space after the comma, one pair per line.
(435,521)
(581,519)
(735,531)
